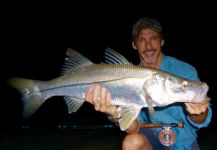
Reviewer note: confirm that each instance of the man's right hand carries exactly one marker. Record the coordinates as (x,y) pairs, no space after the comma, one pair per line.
(100,98)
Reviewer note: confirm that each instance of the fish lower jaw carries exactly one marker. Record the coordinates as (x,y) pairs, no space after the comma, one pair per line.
(198,99)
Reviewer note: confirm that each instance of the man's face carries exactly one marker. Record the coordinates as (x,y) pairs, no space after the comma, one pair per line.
(148,44)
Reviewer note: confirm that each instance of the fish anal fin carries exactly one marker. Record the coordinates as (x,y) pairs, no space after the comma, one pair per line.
(128,115)
(73,104)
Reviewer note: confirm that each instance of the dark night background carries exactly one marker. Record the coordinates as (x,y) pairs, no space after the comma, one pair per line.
(34,41)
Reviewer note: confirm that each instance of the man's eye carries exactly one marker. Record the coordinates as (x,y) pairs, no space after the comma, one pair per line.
(155,38)
(141,40)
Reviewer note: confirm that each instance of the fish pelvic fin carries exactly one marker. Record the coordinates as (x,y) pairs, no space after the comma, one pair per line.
(74,60)
(31,96)
(128,115)
(73,104)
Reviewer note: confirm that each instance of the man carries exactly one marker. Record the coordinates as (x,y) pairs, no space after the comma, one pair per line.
(148,40)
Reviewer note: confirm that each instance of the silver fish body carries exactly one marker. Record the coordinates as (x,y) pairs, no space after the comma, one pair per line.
(132,87)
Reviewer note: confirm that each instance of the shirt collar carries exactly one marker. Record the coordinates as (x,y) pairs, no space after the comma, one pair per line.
(162,62)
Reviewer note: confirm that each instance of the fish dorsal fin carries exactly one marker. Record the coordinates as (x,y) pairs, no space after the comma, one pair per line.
(112,57)
(128,115)
(74,60)
(73,104)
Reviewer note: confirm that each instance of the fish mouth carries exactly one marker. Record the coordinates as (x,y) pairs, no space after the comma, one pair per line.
(201,93)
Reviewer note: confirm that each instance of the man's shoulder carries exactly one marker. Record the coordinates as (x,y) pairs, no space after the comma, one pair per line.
(177,62)
(180,67)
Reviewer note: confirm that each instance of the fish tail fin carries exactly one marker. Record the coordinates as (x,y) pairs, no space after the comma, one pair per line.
(128,115)
(31,96)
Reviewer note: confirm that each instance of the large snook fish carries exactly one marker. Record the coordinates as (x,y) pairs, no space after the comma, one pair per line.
(132,87)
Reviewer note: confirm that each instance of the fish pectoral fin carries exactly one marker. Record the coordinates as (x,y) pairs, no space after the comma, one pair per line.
(150,105)
(128,115)
(148,100)
(73,104)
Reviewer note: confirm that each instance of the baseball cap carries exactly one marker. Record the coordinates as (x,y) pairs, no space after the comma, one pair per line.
(146,23)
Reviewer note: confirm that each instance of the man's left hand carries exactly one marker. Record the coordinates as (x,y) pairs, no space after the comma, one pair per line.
(198,111)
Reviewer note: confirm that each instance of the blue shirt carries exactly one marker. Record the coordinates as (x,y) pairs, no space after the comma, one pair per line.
(176,113)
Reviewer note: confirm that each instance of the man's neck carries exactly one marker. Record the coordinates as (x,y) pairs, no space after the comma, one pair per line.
(150,65)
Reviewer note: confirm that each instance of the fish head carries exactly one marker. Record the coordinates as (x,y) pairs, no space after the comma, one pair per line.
(185,90)
(197,90)
(166,89)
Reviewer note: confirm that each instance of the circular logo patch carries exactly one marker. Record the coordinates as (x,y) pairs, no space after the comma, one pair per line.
(167,136)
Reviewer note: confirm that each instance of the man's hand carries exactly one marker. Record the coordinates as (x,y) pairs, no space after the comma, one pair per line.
(100,98)
(198,111)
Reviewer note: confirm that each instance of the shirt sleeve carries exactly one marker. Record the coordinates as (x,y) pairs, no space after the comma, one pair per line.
(186,70)
(206,122)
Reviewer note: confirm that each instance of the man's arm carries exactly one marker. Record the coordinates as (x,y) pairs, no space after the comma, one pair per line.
(134,128)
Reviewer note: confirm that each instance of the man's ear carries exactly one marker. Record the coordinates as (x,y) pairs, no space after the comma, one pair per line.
(162,42)
(133,45)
